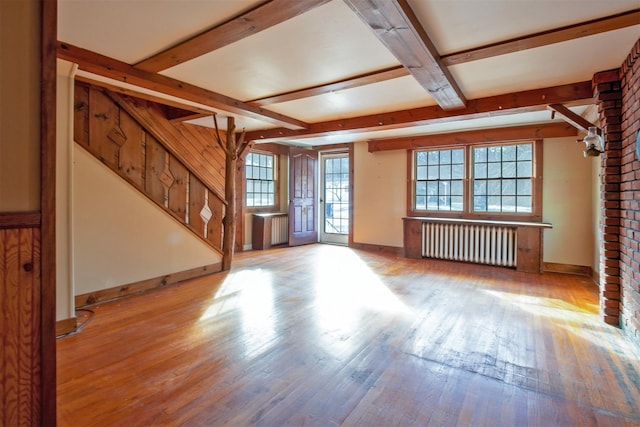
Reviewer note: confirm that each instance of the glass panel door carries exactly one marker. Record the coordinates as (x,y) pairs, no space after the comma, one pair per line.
(334,199)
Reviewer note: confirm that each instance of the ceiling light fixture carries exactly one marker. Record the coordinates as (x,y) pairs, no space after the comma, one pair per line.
(594,143)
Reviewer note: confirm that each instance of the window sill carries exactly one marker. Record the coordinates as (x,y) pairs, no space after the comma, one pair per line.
(261,209)
(479,221)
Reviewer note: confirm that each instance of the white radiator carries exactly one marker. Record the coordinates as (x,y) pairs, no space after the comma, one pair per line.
(279,229)
(482,244)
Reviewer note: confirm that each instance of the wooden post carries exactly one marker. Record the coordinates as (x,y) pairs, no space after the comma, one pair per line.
(229,221)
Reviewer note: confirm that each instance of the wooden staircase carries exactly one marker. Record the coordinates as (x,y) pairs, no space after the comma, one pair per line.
(179,166)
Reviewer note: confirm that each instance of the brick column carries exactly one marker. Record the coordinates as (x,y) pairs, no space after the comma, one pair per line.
(608,95)
(630,196)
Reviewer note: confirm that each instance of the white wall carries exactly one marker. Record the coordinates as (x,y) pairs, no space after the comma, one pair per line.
(64,148)
(121,237)
(380,183)
(591,114)
(107,233)
(567,203)
(570,201)
(19,106)
(380,188)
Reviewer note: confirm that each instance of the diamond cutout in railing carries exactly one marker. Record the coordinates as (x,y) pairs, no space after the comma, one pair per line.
(166,178)
(117,136)
(206,214)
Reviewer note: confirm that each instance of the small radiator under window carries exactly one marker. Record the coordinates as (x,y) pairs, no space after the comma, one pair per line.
(279,229)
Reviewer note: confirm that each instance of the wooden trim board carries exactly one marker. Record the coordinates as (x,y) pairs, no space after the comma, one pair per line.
(568,268)
(118,292)
(377,248)
(20,220)
(66,326)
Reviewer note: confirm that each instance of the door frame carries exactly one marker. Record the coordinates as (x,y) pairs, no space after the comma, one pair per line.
(348,150)
(332,238)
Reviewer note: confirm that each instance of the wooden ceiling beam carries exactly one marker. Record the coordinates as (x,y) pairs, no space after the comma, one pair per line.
(512,133)
(349,83)
(142,95)
(609,23)
(273,148)
(260,18)
(397,27)
(570,32)
(179,116)
(518,102)
(174,111)
(112,68)
(570,117)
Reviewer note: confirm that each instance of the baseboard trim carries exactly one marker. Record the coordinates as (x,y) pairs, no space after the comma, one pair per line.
(144,285)
(66,326)
(567,268)
(595,275)
(393,250)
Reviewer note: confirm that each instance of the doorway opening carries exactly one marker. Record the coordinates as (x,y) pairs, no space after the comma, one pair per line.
(335,207)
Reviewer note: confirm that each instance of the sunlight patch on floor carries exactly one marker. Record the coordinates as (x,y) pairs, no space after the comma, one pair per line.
(548,307)
(250,293)
(347,290)
(580,320)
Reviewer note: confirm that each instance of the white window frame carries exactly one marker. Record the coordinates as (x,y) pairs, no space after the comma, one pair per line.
(251,181)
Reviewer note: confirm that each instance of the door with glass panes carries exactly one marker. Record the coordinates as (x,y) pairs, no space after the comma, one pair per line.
(335,208)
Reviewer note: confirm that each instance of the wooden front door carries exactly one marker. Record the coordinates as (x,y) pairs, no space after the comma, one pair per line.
(303,216)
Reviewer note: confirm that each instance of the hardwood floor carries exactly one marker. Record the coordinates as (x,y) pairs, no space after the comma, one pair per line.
(324,335)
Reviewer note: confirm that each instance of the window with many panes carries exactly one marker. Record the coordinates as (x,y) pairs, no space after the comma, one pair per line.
(502,178)
(478,180)
(336,194)
(439,180)
(260,174)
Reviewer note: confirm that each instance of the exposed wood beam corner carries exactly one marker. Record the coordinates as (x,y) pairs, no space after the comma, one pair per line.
(179,117)
(105,66)
(168,103)
(570,117)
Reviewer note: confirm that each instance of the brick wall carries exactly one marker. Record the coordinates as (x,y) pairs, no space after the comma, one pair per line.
(608,94)
(617,93)
(630,195)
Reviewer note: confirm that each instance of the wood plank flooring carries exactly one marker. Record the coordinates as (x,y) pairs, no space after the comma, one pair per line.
(323,335)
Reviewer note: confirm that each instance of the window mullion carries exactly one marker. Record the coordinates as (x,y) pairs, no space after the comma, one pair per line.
(468,181)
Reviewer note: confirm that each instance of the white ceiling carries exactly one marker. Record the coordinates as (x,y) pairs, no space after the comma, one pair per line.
(331,43)
(455,25)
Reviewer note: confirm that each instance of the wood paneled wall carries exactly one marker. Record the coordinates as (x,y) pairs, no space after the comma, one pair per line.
(179,167)
(20,328)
